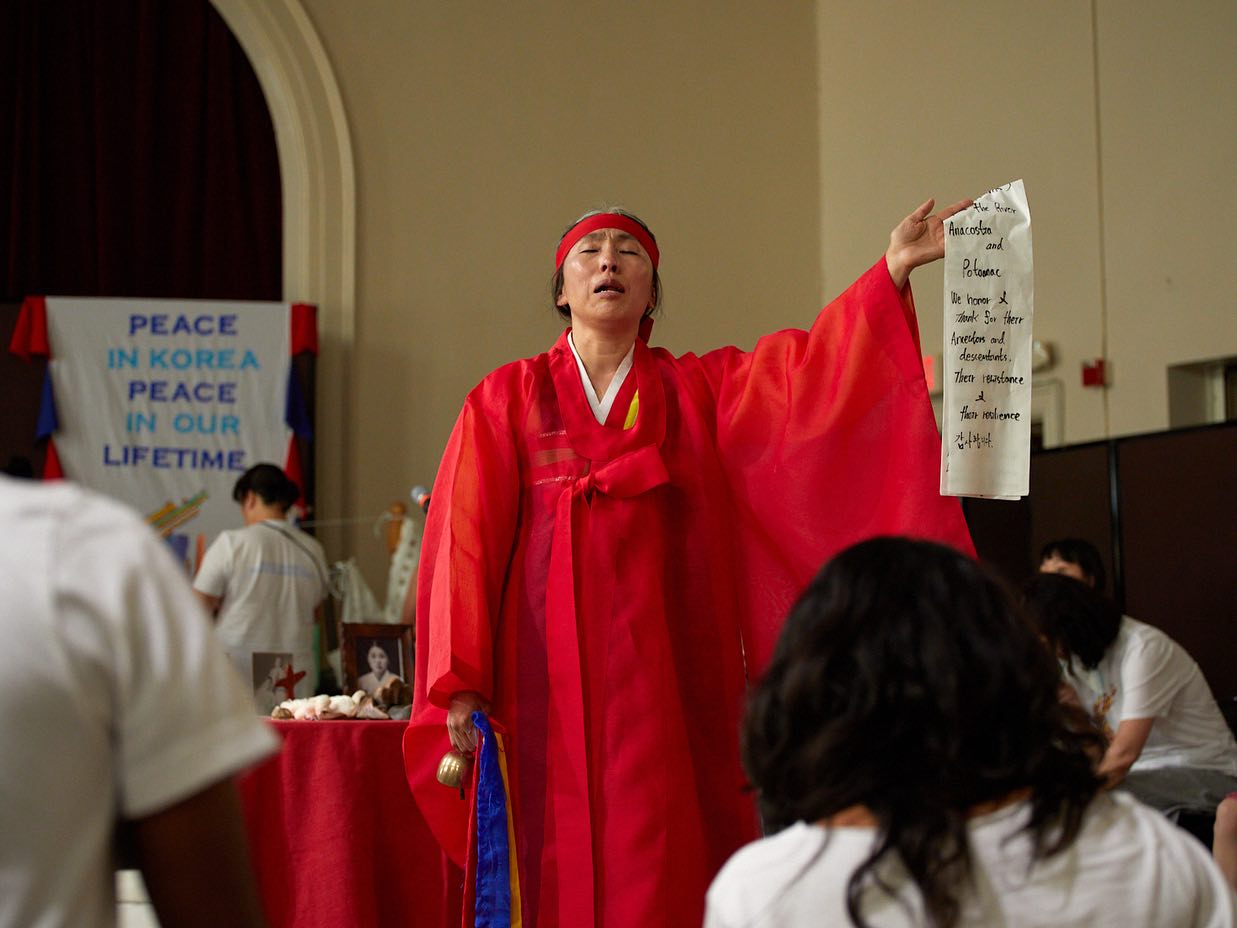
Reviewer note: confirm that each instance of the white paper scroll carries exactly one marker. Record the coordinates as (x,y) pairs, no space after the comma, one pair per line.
(989,297)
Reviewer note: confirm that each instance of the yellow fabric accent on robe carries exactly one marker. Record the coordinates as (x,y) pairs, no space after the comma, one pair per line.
(517,919)
(632,411)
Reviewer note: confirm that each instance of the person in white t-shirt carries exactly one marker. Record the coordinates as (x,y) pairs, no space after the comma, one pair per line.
(1168,742)
(911,755)
(265,582)
(117,705)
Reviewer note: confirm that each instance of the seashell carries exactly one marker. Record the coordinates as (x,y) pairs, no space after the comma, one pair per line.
(340,707)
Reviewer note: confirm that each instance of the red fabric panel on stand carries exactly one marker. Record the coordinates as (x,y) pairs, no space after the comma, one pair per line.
(51,465)
(292,467)
(30,334)
(304,329)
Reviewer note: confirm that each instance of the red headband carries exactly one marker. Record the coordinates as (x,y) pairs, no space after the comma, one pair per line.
(605,221)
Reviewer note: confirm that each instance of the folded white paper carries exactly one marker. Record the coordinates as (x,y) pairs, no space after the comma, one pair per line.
(989,299)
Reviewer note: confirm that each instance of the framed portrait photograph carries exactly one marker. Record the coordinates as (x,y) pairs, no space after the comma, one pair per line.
(375,653)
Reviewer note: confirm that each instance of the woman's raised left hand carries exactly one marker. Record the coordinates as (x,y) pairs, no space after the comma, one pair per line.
(919,239)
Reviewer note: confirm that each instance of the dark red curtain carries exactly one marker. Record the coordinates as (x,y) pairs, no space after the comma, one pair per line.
(137,158)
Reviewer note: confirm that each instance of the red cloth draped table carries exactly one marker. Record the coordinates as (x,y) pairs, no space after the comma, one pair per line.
(335,836)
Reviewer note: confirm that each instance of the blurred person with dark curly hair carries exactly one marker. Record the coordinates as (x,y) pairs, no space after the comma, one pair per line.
(909,750)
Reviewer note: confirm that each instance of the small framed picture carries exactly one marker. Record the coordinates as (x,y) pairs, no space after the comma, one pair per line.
(275,679)
(374,654)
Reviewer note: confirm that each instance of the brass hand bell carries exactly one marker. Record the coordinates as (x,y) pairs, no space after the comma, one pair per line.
(454,769)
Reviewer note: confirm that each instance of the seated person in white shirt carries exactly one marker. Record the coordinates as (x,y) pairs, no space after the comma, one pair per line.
(1168,743)
(119,713)
(909,749)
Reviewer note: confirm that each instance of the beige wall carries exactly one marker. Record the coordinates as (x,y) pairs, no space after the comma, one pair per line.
(1120,118)
(480,130)
(948,100)
(772,146)
(1168,113)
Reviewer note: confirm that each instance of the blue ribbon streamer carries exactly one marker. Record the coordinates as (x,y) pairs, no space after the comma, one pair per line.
(295,411)
(493,891)
(48,422)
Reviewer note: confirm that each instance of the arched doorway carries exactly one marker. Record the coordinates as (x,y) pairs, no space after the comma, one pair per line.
(319,221)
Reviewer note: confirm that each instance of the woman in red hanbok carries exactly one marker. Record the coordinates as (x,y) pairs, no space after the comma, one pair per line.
(615,536)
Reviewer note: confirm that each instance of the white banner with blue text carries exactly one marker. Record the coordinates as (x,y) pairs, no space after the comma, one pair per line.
(164,403)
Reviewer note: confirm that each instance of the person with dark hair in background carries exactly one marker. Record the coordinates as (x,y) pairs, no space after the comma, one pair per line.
(1168,742)
(264,582)
(119,714)
(1074,557)
(909,750)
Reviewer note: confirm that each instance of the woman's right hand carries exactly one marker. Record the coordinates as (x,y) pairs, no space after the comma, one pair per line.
(460,729)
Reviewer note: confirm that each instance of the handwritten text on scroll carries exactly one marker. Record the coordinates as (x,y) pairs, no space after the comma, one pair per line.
(989,296)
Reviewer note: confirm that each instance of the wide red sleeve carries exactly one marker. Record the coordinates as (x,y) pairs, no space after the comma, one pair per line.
(469,534)
(465,549)
(828,437)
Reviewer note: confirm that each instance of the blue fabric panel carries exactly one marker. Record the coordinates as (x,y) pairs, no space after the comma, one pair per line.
(48,422)
(493,891)
(295,414)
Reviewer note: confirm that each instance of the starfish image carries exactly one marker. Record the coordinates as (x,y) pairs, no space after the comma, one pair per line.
(289,680)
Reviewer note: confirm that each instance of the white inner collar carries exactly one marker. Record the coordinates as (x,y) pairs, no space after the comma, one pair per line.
(601,407)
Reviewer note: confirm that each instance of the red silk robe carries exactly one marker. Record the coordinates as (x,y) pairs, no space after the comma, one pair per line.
(604,587)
